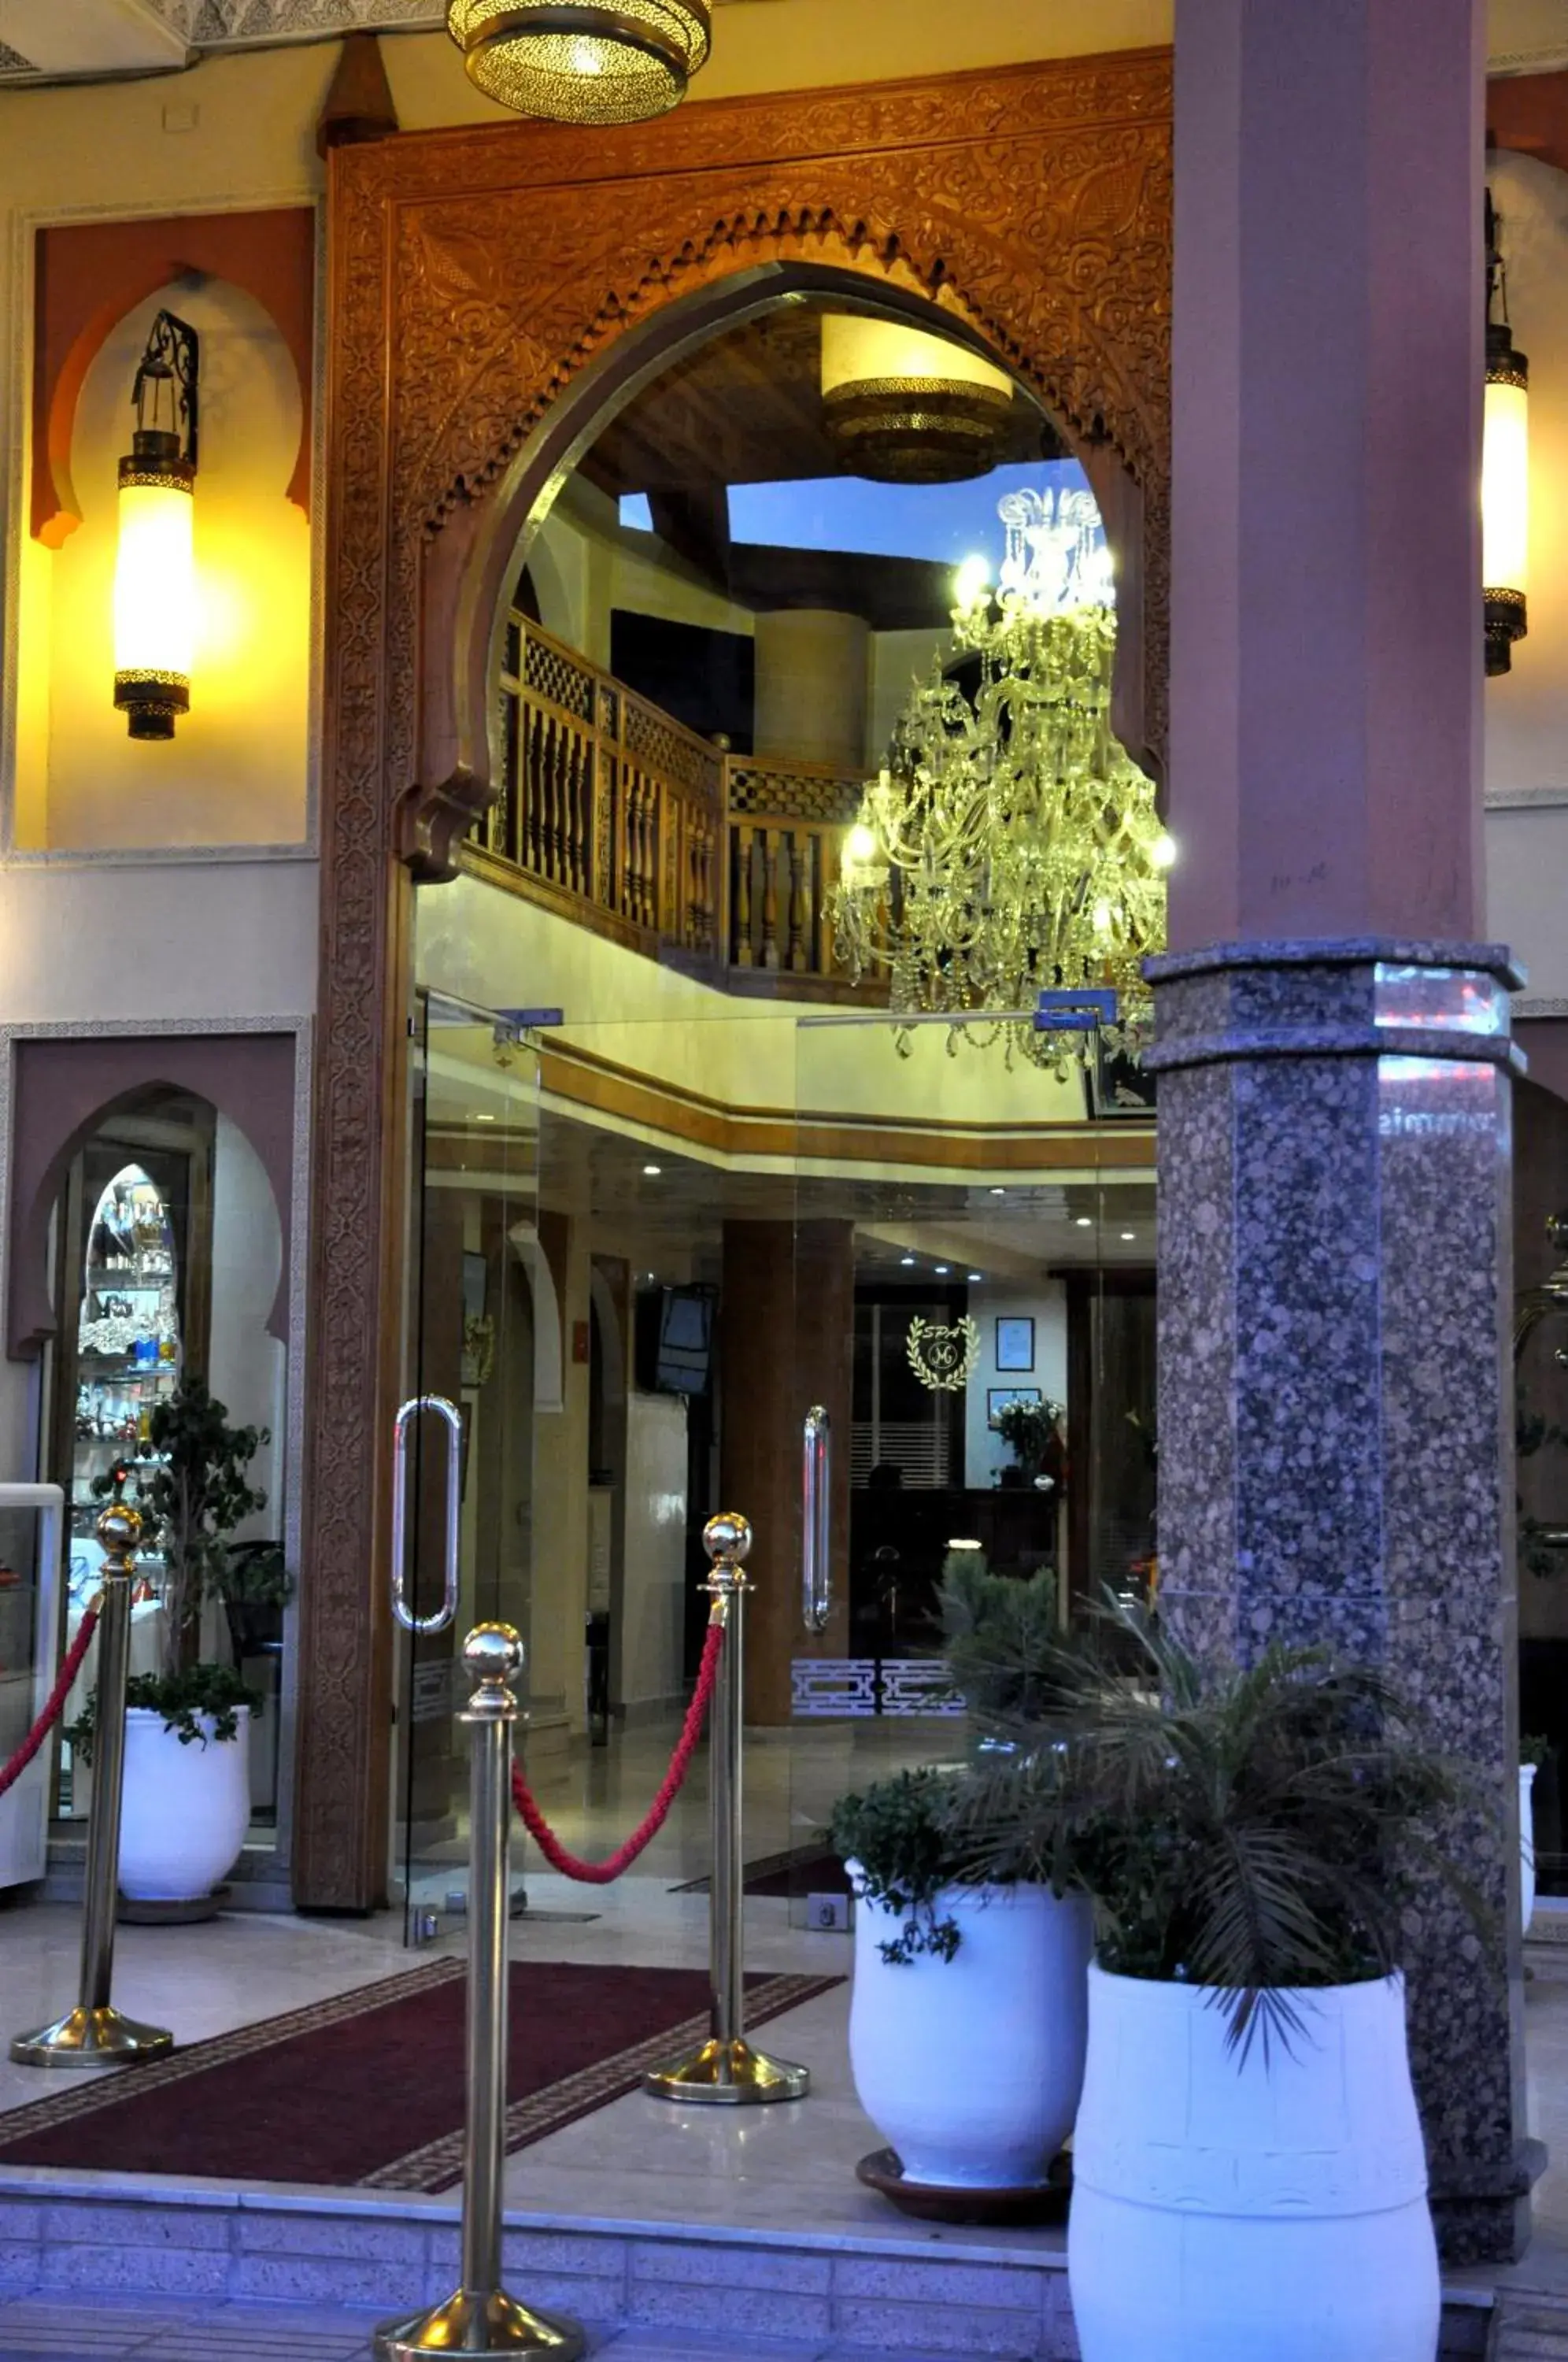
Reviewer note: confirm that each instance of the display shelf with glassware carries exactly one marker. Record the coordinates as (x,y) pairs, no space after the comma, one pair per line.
(127,1355)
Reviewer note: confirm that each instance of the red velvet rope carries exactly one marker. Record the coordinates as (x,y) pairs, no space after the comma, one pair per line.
(35,1738)
(603,1873)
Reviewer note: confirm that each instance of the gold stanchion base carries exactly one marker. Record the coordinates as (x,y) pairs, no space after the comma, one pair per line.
(729,2075)
(92,2038)
(468,2326)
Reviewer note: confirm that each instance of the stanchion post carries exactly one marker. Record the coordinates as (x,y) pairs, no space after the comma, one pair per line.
(95,2034)
(480,2319)
(726,2070)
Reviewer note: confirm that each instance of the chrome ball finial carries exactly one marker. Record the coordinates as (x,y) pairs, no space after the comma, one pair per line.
(494,1655)
(727,1538)
(119,1529)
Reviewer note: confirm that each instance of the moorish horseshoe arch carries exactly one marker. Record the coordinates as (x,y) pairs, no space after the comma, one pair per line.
(491,291)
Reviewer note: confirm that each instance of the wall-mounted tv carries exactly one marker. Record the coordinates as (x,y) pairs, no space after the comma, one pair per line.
(675,1339)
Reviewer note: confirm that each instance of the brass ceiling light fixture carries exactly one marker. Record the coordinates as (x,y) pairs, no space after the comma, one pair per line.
(903,407)
(594,62)
(155,565)
(1505,468)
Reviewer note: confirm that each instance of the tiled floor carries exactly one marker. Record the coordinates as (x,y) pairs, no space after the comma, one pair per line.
(280,2334)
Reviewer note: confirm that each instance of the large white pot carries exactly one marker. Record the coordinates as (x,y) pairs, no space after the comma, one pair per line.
(1526,1841)
(971,2068)
(1231,2209)
(186,1808)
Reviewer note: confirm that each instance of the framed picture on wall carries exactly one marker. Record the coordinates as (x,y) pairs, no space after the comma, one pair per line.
(1015,1343)
(1000,1398)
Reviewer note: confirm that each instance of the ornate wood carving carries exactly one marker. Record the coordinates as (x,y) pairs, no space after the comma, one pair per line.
(476,275)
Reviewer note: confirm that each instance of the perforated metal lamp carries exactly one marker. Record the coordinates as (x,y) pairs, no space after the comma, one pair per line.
(582,61)
(155,565)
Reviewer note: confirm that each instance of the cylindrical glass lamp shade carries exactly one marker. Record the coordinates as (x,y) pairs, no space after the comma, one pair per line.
(155,592)
(595,61)
(1505,500)
(905,408)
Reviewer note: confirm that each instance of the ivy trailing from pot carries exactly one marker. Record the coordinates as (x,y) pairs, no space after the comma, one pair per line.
(892,1836)
(199,1703)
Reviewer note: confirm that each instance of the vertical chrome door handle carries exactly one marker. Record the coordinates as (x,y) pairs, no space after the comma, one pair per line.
(401,1609)
(816,1524)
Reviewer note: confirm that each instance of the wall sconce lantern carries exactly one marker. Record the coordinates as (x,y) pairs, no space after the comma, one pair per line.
(582,61)
(1505,468)
(155,571)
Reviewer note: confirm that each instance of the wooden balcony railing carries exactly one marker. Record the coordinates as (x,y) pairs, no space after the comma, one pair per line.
(611,813)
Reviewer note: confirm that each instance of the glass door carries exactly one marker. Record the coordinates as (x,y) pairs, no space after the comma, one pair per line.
(482,1359)
(973,1389)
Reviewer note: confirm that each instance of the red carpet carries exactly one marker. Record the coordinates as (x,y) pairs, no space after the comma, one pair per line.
(367,2089)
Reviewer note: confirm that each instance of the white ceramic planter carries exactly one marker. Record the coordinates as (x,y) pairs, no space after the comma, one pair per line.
(1526,1841)
(971,2068)
(1230,2209)
(186,1809)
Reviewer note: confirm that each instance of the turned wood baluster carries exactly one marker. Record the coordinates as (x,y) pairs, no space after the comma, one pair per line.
(770,840)
(533,790)
(574,818)
(797,855)
(741,950)
(547,801)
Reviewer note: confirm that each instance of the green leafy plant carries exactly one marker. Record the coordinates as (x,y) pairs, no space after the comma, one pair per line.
(182,1698)
(1249,1829)
(895,1833)
(1000,1638)
(191,1483)
(1534,1749)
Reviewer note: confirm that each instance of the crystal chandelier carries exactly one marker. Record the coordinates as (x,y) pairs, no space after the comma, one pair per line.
(1012,846)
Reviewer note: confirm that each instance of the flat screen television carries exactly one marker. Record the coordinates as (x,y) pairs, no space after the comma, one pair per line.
(675,1339)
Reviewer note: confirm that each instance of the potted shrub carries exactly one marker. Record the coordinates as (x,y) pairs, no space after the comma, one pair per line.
(1248,2173)
(968,2014)
(187,1784)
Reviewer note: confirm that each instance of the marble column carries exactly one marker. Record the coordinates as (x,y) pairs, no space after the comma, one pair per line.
(813,678)
(1332,1044)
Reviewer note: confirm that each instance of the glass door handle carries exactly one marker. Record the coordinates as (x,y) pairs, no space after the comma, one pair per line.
(402,1608)
(816,1524)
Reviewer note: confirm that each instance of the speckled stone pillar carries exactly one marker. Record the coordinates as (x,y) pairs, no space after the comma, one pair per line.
(1335,1400)
(1335,1457)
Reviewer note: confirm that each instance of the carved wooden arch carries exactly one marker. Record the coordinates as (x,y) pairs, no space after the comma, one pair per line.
(485,284)
(475,552)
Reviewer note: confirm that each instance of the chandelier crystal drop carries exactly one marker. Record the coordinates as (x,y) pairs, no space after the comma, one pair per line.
(592,62)
(1011,845)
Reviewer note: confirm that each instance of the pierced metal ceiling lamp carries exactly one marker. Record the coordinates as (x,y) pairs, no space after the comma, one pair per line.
(155,566)
(905,408)
(1505,468)
(595,61)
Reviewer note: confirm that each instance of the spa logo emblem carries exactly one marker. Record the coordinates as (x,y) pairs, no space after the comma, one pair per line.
(943,1358)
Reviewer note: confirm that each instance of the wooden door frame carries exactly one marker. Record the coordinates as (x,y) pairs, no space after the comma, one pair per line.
(492,289)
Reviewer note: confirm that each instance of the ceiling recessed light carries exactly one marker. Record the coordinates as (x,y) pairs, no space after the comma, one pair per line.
(906,1259)
(1083,1221)
(943,1269)
(1128,1234)
(998,1193)
(484,1119)
(652,1171)
(977,1274)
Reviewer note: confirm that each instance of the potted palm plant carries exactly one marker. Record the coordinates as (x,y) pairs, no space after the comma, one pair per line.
(1249,2174)
(968,2013)
(187,1791)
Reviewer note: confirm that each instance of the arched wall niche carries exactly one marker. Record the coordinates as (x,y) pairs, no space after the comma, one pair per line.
(64,1089)
(476,276)
(475,555)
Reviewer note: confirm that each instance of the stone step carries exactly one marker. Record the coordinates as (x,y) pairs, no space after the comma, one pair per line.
(180,2256)
(1530,2329)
